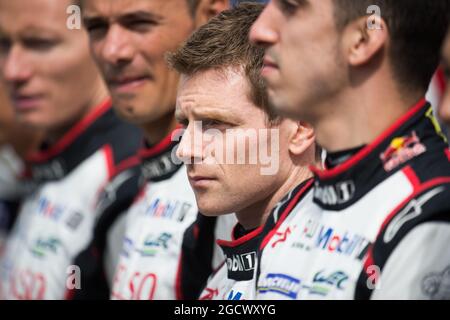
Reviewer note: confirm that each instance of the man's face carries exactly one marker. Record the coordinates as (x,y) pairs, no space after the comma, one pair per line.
(129,40)
(223,129)
(302,62)
(47,68)
(444,110)
(6,117)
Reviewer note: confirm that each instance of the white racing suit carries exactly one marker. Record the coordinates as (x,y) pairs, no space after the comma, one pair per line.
(57,218)
(374,227)
(168,248)
(236,279)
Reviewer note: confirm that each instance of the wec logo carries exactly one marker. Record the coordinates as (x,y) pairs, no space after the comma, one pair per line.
(336,279)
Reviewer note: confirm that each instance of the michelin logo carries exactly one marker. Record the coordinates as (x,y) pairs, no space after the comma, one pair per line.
(281,284)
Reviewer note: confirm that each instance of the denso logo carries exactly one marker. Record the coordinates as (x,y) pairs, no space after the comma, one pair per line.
(243,262)
(335,194)
(133,285)
(281,284)
(28,285)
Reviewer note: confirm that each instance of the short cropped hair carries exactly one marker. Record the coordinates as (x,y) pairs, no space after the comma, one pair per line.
(417,29)
(222,43)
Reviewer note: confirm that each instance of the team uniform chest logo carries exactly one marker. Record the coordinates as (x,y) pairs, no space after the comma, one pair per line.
(159,207)
(338,193)
(46,208)
(44,246)
(321,284)
(154,244)
(241,266)
(316,235)
(401,150)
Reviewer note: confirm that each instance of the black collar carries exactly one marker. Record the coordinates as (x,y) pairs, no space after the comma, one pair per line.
(159,162)
(54,162)
(408,138)
(336,158)
(241,253)
(101,129)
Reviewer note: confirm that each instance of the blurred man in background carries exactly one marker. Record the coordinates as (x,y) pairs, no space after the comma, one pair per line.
(55,87)
(21,139)
(15,142)
(378,217)
(164,254)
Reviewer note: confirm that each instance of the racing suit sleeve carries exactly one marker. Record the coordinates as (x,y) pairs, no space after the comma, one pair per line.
(201,256)
(114,201)
(419,267)
(196,259)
